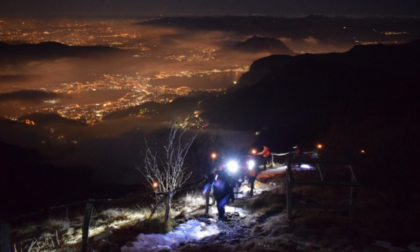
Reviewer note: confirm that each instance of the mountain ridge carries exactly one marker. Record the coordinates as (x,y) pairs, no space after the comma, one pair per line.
(257,44)
(311,91)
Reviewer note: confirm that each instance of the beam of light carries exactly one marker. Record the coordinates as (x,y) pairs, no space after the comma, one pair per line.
(232,166)
(251,164)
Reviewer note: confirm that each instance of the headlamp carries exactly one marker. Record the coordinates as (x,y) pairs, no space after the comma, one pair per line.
(232,166)
(251,164)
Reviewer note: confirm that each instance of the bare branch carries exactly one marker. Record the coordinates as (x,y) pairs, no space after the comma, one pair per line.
(168,169)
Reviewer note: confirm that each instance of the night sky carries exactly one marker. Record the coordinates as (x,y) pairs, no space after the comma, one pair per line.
(136,8)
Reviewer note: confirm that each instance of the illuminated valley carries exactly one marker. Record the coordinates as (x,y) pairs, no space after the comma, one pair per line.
(129,87)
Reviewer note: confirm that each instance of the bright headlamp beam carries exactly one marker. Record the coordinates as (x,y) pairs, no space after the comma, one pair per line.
(232,166)
(251,164)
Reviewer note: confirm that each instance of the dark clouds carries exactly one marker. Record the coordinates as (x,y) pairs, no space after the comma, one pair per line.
(33,96)
(133,8)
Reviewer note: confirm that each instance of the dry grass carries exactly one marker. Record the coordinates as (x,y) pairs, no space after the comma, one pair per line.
(266,202)
(119,224)
(62,234)
(189,203)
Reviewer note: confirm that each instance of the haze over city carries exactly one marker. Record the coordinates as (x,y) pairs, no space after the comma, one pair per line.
(87,69)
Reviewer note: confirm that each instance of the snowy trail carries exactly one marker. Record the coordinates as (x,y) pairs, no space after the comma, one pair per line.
(188,231)
(192,230)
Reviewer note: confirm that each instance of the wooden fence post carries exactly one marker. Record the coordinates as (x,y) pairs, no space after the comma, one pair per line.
(85,226)
(289,190)
(206,212)
(6,244)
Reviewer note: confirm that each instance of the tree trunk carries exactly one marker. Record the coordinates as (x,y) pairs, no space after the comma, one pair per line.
(168,199)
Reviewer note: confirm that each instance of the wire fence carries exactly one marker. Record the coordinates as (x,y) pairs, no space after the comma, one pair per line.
(5,234)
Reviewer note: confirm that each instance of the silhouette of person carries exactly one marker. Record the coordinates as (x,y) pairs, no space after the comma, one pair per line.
(209,181)
(265,153)
(298,154)
(221,190)
(252,176)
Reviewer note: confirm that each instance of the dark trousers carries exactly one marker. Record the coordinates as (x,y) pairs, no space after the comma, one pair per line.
(251,181)
(221,202)
(231,194)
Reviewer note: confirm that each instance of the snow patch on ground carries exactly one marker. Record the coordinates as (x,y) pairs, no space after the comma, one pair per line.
(302,167)
(188,231)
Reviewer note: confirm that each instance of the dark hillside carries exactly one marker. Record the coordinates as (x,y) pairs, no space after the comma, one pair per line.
(259,69)
(298,99)
(50,118)
(362,105)
(27,184)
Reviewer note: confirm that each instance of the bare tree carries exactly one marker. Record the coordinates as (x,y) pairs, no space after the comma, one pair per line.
(166,172)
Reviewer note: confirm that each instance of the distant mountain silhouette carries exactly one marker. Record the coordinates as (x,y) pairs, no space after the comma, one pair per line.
(50,50)
(259,69)
(295,98)
(263,44)
(50,118)
(178,109)
(322,28)
(151,106)
(4,121)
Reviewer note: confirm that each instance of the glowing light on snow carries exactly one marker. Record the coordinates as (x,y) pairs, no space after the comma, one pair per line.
(305,166)
(189,231)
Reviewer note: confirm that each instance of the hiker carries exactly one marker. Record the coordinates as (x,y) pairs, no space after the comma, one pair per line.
(252,175)
(298,154)
(265,153)
(221,190)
